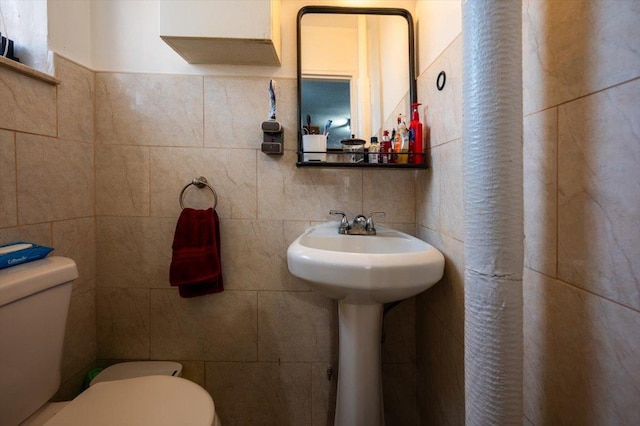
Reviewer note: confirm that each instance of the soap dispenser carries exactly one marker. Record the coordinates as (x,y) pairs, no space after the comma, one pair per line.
(416,148)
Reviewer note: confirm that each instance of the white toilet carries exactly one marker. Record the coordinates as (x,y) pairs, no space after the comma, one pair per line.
(34,300)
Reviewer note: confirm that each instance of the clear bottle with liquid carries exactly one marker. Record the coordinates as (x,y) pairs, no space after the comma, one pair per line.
(385,148)
(374,150)
(402,137)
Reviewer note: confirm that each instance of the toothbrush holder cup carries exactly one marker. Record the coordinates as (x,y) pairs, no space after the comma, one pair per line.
(314,147)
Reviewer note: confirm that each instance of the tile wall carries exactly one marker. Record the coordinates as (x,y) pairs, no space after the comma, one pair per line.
(582,220)
(262,347)
(440,221)
(47,187)
(582,203)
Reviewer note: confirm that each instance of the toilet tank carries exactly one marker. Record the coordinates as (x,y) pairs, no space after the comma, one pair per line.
(34,301)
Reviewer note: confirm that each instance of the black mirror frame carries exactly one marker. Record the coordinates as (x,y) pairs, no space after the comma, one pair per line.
(413,93)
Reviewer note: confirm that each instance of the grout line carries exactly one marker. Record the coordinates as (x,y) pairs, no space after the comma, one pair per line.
(578,288)
(257,326)
(15,172)
(204,120)
(586,95)
(557,191)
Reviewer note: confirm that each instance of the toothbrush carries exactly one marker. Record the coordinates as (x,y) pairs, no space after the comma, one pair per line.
(272,99)
(326,127)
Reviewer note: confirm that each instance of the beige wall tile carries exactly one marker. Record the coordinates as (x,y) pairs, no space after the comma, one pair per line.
(540,186)
(194,371)
(582,356)
(28,104)
(439,330)
(235,107)
(442,110)
(428,192)
(392,192)
(297,327)
(323,394)
(275,393)
(231,172)
(8,214)
(37,234)
(75,100)
(400,398)
(254,254)
(441,399)
(452,190)
(407,228)
(215,327)
(147,109)
(446,298)
(573,48)
(122,180)
(399,339)
(55,179)
(80,335)
(134,251)
(599,194)
(123,323)
(286,192)
(76,239)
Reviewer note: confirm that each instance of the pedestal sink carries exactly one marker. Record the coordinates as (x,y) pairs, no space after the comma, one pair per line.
(362,273)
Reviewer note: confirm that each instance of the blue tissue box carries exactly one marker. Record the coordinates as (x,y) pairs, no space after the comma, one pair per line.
(13,254)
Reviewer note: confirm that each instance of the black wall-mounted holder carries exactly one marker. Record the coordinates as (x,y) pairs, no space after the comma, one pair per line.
(441,80)
(273,138)
(6,48)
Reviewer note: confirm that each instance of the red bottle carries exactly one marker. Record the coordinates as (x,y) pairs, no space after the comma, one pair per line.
(416,148)
(385,148)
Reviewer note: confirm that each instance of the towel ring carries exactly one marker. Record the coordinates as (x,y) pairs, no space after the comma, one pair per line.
(200,182)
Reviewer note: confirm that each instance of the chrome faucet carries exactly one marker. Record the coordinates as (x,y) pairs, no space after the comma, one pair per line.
(361,225)
(344,222)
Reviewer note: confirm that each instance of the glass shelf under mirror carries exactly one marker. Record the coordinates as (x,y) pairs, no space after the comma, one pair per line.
(339,158)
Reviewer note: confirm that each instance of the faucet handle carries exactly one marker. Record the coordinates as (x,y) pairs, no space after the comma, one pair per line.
(344,215)
(344,222)
(370,225)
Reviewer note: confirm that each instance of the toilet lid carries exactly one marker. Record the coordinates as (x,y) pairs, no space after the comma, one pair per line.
(151,400)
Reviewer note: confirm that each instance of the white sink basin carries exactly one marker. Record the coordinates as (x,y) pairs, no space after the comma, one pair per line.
(364,269)
(363,272)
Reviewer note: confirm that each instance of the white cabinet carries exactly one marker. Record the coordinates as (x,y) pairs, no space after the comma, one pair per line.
(239,32)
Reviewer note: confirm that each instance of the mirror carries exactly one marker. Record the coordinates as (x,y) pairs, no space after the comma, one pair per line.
(356,67)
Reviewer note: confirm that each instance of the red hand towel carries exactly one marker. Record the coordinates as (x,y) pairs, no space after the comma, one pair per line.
(195,265)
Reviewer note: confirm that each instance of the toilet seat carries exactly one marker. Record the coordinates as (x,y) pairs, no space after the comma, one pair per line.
(150,400)
(131,369)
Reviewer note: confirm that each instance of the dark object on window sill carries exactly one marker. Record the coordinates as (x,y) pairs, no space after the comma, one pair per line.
(6,48)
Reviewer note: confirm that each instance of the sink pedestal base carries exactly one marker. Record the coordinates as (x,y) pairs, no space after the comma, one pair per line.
(359,399)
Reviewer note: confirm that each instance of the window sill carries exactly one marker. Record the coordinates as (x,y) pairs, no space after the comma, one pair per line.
(28,71)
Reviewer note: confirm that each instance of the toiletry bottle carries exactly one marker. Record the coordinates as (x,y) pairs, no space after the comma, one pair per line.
(392,151)
(374,150)
(416,147)
(403,133)
(385,147)
(397,142)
